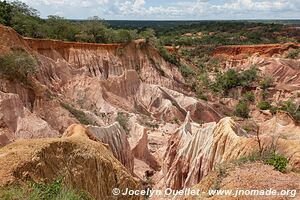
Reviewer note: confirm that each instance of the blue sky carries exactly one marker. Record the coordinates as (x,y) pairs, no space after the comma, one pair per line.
(169,9)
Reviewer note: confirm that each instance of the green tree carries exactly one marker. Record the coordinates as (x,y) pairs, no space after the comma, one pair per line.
(149,36)
(242,109)
(124,36)
(60,28)
(5,13)
(17,65)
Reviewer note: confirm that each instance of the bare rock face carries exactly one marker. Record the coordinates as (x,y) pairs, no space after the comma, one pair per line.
(194,150)
(139,145)
(281,125)
(19,122)
(84,164)
(116,139)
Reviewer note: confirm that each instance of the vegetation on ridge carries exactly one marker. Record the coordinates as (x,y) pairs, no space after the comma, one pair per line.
(17,65)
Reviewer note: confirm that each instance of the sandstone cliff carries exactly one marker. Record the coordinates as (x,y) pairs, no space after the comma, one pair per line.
(194,150)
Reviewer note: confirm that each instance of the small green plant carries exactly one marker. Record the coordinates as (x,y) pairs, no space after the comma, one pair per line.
(266,83)
(167,56)
(242,109)
(186,71)
(42,191)
(17,65)
(78,114)
(222,171)
(176,120)
(264,105)
(278,161)
(201,95)
(123,120)
(247,77)
(249,97)
(290,107)
(293,53)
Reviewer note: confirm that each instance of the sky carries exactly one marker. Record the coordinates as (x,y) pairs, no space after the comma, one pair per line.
(169,9)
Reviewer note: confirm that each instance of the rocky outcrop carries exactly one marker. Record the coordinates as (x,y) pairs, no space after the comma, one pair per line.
(194,150)
(83,163)
(116,139)
(17,122)
(264,49)
(139,145)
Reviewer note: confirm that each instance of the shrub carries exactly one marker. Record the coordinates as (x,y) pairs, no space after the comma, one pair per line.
(264,105)
(242,110)
(293,53)
(249,97)
(78,114)
(278,161)
(231,79)
(123,120)
(266,83)
(17,65)
(292,109)
(248,76)
(186,71)
(201,95)
(268,157)
(167,56)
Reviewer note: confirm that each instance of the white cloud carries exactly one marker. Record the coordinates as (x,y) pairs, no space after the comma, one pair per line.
(178,9)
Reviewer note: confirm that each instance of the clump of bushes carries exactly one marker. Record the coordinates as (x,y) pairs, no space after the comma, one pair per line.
(290,107)
(293,53)
(249,97)
(242,109)
(52,191)
(279,162)
(266,83)
(78,114)
(264,105)
(17,65)
(123,120)
(167,56)
(186,71)
(231,79)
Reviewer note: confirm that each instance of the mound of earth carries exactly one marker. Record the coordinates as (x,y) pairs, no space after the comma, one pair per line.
(83,163)
(251,176)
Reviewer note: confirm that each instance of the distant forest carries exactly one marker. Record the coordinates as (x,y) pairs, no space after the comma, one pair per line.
(27,22)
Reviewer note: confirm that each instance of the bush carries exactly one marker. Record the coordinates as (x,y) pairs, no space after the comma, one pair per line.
(242,110)
(186,71)
(17,65)
(248,76)
(231,79)
(264,105)
(5,13)
(293,53)
(266,83)
(292,109)
(278,161)
(123,120)
(249,97)
(167,56)
(78,114)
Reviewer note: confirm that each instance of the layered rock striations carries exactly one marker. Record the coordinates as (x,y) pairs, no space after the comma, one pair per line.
(83,163)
